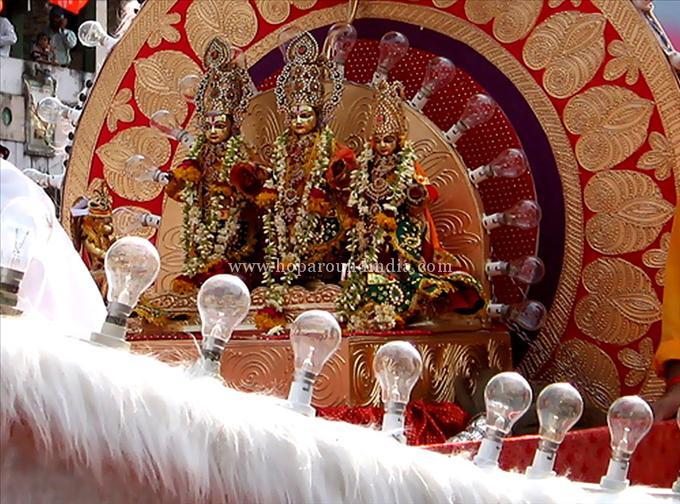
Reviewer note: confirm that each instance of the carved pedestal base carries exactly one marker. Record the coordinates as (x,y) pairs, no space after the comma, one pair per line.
(347,379)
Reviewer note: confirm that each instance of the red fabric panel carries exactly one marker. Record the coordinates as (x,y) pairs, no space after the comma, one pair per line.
(73,6)
(584,455)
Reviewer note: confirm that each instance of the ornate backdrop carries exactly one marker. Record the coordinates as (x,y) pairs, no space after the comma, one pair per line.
(584,89)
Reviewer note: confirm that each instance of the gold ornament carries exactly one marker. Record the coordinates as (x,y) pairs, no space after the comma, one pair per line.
(301,81)
(638,362)
(225,87)
(612,123)
(660,159)
(622,62)
(570,47)
(621,304)
(512,20)
(120,110)
(388,110)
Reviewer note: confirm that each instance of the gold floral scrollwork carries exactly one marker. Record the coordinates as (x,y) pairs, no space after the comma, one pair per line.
(622,62)
(620,305)
(127,222)
(157,82)
(165,30)
(207,19)
(570,47)
(512,20)
(612,123)
(656,258)
(453,226)
(120,110)
(637,361)
(597,377)
(365,388)
(556,3)
(114,154)
(660,158)
(653,388)
(630,211)
(273,12)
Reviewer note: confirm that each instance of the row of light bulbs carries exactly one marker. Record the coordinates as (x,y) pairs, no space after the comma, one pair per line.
(132,265)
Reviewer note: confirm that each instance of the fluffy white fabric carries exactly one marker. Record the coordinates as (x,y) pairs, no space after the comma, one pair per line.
(129,422)
(57,285)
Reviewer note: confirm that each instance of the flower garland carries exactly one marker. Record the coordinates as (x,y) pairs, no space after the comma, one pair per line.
(206,234)
(281,247)
(363,242)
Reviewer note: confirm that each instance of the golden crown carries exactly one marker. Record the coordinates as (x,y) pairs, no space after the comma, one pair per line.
(301,81)
(99,200)
(388,109)
(225,87)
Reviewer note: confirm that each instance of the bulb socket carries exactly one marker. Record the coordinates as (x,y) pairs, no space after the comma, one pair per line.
(10,281)
(548,446)
(118,313)
(395,408)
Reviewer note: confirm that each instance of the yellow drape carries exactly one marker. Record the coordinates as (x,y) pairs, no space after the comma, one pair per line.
(670,325)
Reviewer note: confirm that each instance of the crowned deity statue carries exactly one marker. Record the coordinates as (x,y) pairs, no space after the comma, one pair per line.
(93,232)
(300,198)
(219,223)
(398,271)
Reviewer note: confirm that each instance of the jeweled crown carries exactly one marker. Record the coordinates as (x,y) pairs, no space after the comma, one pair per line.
(225,87)
(388,109)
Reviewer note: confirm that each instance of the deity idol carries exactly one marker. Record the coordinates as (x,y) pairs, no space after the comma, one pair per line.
(301,198)
(92,224)
(220,223)
(397,270)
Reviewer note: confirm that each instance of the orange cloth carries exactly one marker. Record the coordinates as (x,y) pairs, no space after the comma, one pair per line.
(670,325)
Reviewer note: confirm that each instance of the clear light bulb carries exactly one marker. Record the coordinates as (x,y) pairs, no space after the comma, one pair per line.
(438,73)
(92,34)
(131,265)
(141,169)
(528,314)
(391,50)
(525,214)
(507,396)
(526,269)
(50,109)
(25,228)
(479,109)
(559,407)
(223,302)
(397,365)
(314,337)
(511,163)
(138,220)
(166,122)
(340,42)
(286,36)
(629,419)
(188,87)
(45,180)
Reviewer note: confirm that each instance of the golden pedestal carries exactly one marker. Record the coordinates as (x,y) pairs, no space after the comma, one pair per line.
(266,365)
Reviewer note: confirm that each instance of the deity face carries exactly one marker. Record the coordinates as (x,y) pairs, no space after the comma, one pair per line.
(385,144)
(303,119)
(217,128)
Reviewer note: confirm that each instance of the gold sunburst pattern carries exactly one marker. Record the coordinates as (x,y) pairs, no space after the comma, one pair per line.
(630,211)
(620,305)
(512,21)
(570,47)
(612,123)
(273,12)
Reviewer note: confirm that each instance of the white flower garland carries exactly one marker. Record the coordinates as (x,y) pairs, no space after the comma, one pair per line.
(279,245)
(364,244)
(207,234)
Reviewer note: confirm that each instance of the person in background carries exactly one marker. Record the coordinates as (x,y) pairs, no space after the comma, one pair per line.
(61,38)
(668,353)
(8,36)
(42,51)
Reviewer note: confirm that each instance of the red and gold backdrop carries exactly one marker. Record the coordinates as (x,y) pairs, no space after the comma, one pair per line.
(584,89)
